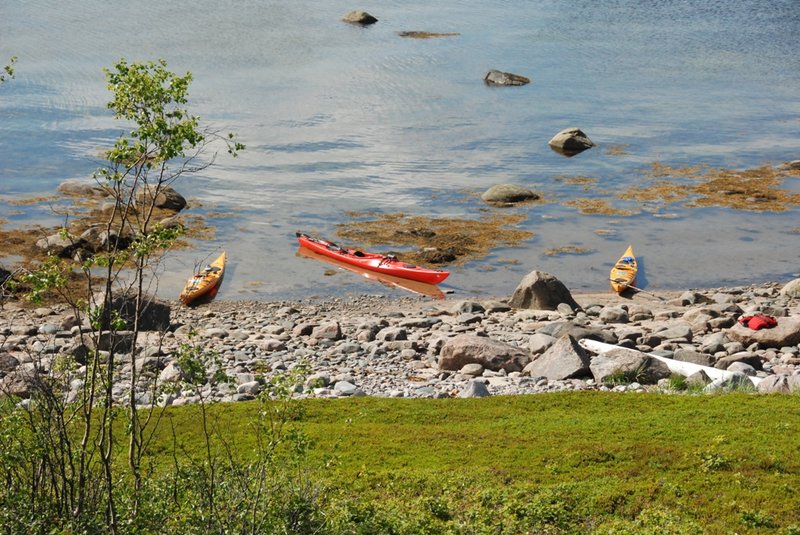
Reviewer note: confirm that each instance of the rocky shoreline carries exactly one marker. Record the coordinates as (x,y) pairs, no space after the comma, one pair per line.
(418,348)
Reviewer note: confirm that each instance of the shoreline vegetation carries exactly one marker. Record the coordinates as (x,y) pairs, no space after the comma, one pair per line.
(304,451)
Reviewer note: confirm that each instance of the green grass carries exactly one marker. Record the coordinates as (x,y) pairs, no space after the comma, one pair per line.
(563,462)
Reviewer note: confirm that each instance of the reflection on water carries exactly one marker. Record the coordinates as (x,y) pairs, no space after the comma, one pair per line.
(340,118)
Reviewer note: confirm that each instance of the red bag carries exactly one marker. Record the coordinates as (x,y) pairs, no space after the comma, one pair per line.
(758,321)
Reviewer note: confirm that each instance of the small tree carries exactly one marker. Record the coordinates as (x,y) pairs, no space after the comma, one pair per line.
(164,144)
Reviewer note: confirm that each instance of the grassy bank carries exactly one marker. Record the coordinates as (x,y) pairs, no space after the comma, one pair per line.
(569,462)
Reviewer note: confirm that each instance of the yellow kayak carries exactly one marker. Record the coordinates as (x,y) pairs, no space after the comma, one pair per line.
(623,274)
(204,286)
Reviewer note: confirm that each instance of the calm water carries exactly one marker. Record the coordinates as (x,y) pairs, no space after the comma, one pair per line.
(339,118)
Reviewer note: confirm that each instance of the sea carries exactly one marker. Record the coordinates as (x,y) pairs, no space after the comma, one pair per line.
(339,118)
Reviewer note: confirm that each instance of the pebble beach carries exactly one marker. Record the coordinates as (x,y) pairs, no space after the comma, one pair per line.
(408,347)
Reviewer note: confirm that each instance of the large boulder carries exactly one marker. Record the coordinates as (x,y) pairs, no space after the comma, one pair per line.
(570,142)
(541,291)
(507,194)
(629,365)
(780,384)
(786,333)
(162,197)
(63,244)
(563,360)
(792,289)
(491,354)
(154,316)
(8,363)
(79,188)
(97,238)
(495,77)
(359,17)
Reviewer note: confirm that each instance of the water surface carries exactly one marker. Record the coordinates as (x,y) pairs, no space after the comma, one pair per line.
(340,118)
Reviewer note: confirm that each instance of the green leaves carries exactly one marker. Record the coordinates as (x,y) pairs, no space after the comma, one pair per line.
(51,275)
(151,97)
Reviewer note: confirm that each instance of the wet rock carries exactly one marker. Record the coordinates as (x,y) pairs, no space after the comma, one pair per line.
(97,238)
(508,194)
(63,245)
(495,77)
(541,291)
(359,17)
(163,197)
(79,188)
(570,141)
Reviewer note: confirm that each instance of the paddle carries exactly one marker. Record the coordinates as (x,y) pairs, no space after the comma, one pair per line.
(632,287)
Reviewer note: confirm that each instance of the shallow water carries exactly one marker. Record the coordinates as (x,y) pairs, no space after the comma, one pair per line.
(339,118)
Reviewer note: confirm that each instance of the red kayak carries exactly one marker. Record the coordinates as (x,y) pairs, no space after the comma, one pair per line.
(386,264)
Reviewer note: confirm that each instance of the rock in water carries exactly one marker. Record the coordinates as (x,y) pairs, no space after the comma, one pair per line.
(570,141)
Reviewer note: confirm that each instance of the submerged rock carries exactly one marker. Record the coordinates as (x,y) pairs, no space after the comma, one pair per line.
(570,141)
(508,193)
(360,17)
(495,77)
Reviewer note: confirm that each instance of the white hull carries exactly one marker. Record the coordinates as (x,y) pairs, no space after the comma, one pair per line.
(675,366)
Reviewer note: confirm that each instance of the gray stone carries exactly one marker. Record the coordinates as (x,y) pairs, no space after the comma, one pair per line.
(677,331)
(742,367)
(171,373)
(79,188)
(473,369)
(491,354)
(330,330)
(154,314)
(792,289)
(345,388)
(359,17)
(508,194)
(541,291)
(563,360)
(690,355)
(539,343)
(780,384)
(570,142)
(476,388)
(743,356)
(632,365)
(64,246)
(786,333)
(161,197)
(495,77)
(613,314)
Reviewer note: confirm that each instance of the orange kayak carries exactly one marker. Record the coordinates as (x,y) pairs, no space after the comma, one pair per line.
(204,285)
(384,264)
(421,288)
(623,274)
